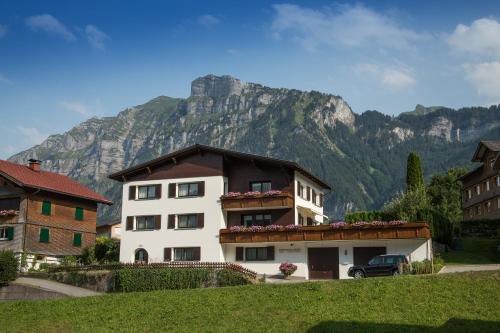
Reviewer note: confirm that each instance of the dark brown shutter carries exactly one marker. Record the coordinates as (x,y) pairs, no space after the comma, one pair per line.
(158,191)
(197,253)
(171,221)
(270,253)
(314,197)
(298,189)
(157,222)
(308,194)
(167,254)
(321,199)
(201,189)
(130,223)
(131,192)
(239,254)
(201,220)
(171,190)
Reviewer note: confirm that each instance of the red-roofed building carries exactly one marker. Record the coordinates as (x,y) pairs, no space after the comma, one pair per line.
(44,214)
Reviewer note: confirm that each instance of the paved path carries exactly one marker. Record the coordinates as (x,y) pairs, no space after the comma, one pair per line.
(57,287)
(469,268)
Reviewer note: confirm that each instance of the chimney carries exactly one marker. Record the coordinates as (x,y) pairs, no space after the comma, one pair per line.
(34,164)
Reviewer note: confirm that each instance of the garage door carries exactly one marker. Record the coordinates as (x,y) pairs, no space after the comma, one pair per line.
(323,262)
(363,254)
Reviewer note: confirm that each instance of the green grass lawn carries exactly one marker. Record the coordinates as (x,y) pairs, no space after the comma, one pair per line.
(465,302)
(476,251)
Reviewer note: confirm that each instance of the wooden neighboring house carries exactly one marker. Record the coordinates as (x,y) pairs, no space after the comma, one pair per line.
(45,215)
(196,204)
(481,186)
(111,229)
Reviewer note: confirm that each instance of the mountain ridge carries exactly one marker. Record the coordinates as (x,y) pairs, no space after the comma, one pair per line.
(361,155)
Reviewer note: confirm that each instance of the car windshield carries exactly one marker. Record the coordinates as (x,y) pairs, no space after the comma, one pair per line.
(375,261)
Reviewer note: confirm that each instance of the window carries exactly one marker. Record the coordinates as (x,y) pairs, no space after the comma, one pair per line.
(186,253)
(141,256)
(498,203)
(257,219)
(478,210)
(44,235)
(488,206)
(478,189)
(375,261)
(7,233)
(390,260)
(469,193)
(46,208)
(187,221)
(79,214)
(147,192)
(188,190)
(260,186)
(487,185)
(256,253)
(77,240)
(492,162)
(498,180)
(144,222)
(301,219)
(302,192)
(11,203)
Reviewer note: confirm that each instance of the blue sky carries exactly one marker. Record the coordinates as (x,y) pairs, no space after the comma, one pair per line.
(62,62)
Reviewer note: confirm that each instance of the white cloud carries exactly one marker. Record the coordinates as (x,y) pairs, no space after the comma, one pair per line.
(208,20)
(3,30)
(49,24)
(394,78)
(96,37)
(481,37)
(349,26)
(77,107)
(31,135)
(485,77)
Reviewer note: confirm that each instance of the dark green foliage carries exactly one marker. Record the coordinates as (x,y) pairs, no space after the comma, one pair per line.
(9,266)
(107,250)
(414,174)
(369,216)
(128,280)
(441,226)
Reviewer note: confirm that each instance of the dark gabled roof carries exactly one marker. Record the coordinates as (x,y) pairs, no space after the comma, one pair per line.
(203,148)
(24,176)
(472,172)
(109,223)
(483,147)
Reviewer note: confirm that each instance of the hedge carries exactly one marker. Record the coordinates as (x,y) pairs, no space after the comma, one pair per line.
(9,266)
(129,280)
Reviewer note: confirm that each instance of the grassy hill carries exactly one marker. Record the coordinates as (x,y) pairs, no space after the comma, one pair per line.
(442,303)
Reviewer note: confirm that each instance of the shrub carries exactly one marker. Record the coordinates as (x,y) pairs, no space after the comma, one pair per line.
(287,268)
(107,250)
(129,280)
(9,266)
(368,216)
(423,267)
(69,260)
(44,266)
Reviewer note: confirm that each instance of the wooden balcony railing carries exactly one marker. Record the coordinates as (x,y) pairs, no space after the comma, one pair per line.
(282,200)
(326,232)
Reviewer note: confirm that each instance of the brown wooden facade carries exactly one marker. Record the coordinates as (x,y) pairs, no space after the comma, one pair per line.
(325,232)
(481,187)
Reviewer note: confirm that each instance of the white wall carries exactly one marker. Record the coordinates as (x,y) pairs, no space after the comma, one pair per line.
(414,249)
(155,241)
(303,202)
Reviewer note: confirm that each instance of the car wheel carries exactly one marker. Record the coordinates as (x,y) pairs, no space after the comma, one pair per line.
(395,272)
(359,274)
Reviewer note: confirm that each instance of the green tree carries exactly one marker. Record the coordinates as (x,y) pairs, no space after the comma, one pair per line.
(412,205)
(414,175)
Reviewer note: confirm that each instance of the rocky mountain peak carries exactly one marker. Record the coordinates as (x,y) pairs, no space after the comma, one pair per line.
(216,86)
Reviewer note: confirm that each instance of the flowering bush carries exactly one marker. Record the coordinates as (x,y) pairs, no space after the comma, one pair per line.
(256,228)
(271,227)
(9,212)
(360,224)
(338,225)
(287,268)
(293,227)
(232,194)
(274,227)
(251,194)
(273,192)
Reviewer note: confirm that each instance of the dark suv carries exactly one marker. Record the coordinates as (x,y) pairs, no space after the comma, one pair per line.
(388,264)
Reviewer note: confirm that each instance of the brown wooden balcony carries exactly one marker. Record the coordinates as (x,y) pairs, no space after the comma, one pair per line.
(257,201)
(8,217)
(326,232)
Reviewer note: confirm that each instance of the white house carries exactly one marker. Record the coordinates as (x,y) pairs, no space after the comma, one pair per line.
(214,205)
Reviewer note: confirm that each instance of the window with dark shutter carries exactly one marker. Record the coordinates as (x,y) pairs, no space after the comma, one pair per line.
(308,194)
(79,213)
(130,223)
(321,200)
(44,235)
(46,208)
(201,220)
(167,254)
(77,240)
(157,222)
(298,189)
(201,189)
(131,192)
(270,253)
(158,191)
(196,253)
(239,254)
(171,190)
(171,221)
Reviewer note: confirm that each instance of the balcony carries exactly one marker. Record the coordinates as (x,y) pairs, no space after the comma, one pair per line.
(327,232)
(9,216)
(256,200)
